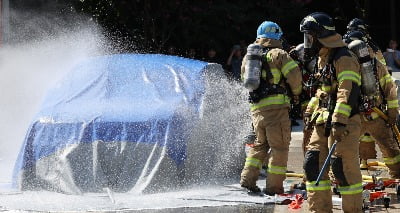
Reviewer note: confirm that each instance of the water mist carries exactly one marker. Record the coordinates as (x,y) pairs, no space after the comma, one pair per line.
(31,61)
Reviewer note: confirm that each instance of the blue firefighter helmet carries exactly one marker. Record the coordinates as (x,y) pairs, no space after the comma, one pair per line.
(269,29)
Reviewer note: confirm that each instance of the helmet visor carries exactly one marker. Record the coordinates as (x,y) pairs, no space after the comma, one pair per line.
(310,47)
(308,40)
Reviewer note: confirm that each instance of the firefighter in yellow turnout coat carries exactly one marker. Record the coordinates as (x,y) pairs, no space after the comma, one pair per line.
(378,90)
(270,108)
(338,119)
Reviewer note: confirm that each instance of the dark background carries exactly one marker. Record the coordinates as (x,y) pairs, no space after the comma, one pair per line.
(155,25)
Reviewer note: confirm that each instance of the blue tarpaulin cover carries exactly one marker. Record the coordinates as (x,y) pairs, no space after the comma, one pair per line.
(109,121)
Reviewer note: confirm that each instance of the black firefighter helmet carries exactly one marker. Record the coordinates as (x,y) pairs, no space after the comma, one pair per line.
(354,35)
(318,24)
(357,24)
(316,27)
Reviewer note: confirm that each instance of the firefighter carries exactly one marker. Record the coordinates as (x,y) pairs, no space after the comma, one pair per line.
(357,28)
(307,68)
(269,73)
(337,114)
(378,90)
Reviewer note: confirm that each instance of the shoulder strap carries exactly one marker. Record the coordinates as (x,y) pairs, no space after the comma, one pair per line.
(265,66)
(335,55)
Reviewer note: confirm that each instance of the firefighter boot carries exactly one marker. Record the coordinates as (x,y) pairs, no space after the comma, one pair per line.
(249,178)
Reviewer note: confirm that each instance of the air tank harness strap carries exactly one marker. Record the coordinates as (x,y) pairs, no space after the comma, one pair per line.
(266,88)
(253,57)
(257,95)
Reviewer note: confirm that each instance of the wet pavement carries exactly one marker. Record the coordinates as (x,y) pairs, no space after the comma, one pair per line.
(217,199)
(219,209)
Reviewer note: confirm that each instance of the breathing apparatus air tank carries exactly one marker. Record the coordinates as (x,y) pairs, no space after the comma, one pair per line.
(252,69)
(368,80)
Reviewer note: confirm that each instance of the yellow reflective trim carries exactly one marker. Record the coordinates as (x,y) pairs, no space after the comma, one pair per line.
(391,161)
(349,75)
(313,102)
(271,100)
(382,81)
(277,167)
(264,74)
(276,74)
(253,162)
(323,185)
(374,115)
(382,60)
(343,108)
(367,139)
(269,57)
(322,117)
(350,190)
(326,88)
(393,104)
(288,67)
(275,171)
(278,170)
(385,79)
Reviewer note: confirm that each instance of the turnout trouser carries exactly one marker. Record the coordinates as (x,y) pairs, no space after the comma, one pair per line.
(345,167)
(367,146)
(272,129)
(384,138)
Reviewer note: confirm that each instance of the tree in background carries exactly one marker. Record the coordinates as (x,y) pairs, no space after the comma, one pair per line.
(153,25)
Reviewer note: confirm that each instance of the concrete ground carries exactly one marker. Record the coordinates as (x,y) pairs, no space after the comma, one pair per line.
(295,165)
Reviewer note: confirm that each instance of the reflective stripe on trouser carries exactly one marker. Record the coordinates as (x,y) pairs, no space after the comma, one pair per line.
(367,147)
(321,196)
(254,162)
(384,138)
(278,170)
(347,149)
(351,190)
(322,186)
(392,161)
(273,124)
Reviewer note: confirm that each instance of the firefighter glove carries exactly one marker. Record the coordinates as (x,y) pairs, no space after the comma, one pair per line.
(339,131)
(321,94)
(393,113)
